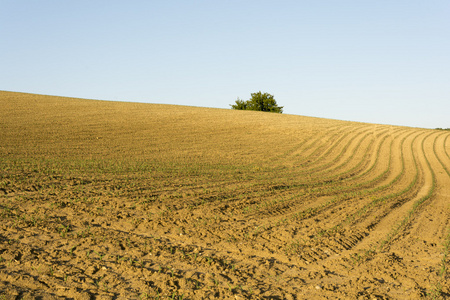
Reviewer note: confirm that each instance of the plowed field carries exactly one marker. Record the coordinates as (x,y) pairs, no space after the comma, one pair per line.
(111,200)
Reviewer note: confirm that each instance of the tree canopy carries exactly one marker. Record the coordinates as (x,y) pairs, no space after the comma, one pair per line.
(258,101)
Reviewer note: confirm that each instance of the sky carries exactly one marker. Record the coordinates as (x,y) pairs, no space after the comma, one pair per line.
(383,61)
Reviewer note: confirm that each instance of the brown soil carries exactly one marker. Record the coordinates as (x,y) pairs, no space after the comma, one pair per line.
(111,200)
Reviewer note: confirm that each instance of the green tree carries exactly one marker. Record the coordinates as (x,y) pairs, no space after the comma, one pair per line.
(240,104)
(259,101)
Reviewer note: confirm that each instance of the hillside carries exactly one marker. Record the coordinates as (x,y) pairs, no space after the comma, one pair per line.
(115,200)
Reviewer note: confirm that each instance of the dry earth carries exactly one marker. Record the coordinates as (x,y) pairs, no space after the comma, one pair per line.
(111,200)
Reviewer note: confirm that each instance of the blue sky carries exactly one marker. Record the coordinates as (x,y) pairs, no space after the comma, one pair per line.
(378,61)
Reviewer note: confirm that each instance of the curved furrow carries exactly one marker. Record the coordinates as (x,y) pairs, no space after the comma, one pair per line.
(291,174)
(441,160)
(322,177)
(308,144)
(273,226)
(226,192)
(393,199)
(446,148)
(326,155)
(377,156)
(350,172)
(282,206)
(345,183)
(345,178)
(365,160)
(315,149)
(318,151)
(332,159)
(391,205)
(427,193)
(254,187)
(312,211)
(312,147)
(283,193)
(426,228)
(321,180)
(337,227)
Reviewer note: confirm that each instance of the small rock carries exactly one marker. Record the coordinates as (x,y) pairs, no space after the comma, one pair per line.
(84,296)
(91,270)
(288,297)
